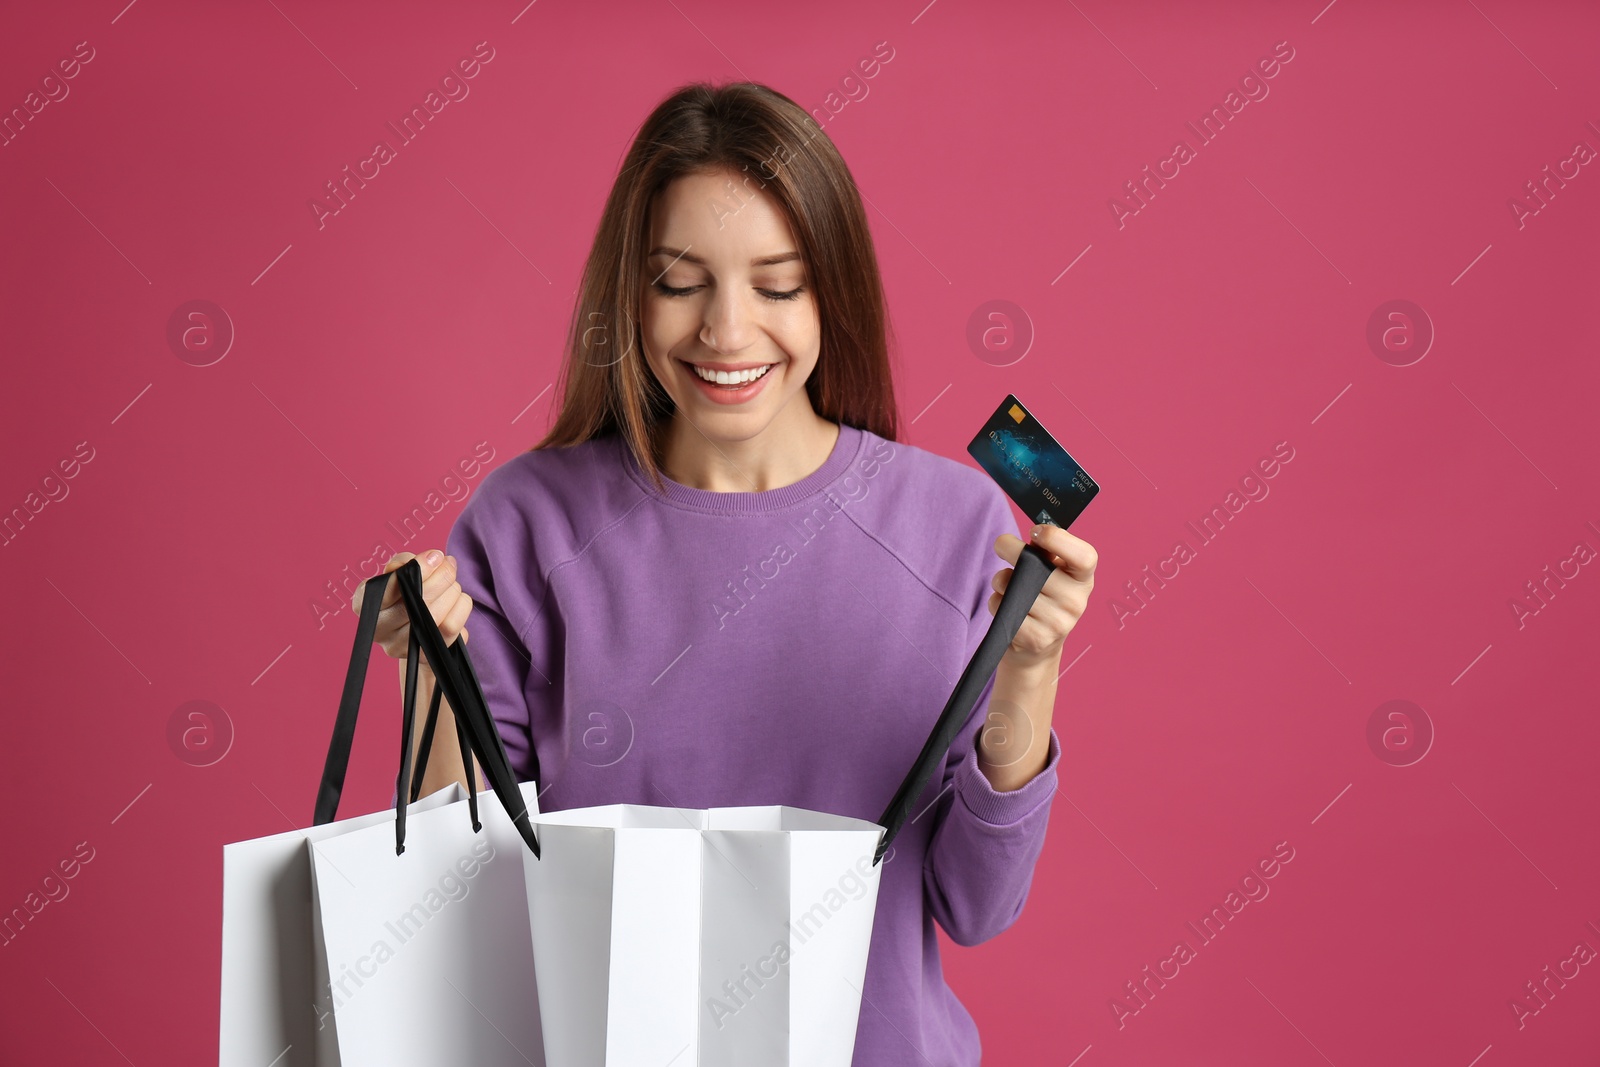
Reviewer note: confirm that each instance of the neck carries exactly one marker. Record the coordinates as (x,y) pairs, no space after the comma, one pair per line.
(792,446)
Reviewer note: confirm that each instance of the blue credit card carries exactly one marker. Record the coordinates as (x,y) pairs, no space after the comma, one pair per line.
(1032,467)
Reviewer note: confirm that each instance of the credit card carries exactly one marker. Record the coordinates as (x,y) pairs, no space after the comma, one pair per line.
(1032,467)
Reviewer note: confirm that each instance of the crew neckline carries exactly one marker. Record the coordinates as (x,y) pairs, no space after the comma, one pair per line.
(845,451)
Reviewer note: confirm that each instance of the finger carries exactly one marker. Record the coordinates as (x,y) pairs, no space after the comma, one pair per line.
(1059,585)
(1075,558)
(455,619)
(400,559)
(437,577)
(395,617)
(445,602)
(391,589)
(1057,617)
(440,578)
(1072,553)
(360,596)
(430,563)
(397,642)
(1054,618)
(393,621)
(1008,547)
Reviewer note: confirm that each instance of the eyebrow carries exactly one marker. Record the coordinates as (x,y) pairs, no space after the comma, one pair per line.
(764,261)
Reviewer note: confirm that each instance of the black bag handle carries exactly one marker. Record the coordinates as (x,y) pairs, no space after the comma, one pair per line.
(428,728)
(452,668)
(1027,579)
(344,725)
(455,680)
(476,727)
(407,721)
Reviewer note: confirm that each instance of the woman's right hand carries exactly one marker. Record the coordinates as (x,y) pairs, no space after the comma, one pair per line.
(446,602)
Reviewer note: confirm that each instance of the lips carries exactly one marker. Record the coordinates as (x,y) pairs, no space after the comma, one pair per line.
(729,392)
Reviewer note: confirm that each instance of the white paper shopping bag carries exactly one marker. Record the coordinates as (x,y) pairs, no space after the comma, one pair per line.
(708,938)
(271,998)
(285,903)
(701,937)
(427,955)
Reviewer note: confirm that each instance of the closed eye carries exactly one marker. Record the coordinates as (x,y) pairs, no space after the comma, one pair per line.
(769,294)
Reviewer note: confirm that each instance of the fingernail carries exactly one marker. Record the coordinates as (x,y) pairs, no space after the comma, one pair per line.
(433,558)
(1033,535)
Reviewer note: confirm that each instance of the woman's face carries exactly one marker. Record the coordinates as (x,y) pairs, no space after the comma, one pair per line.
(726,293)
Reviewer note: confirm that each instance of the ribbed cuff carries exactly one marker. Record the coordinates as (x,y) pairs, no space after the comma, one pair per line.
(1005,809)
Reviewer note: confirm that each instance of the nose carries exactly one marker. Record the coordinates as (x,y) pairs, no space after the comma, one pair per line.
(727,325)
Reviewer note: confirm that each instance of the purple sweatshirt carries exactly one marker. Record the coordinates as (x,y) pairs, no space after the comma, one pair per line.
(794,646)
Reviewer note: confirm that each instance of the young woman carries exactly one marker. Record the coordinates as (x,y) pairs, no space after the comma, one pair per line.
(719,580)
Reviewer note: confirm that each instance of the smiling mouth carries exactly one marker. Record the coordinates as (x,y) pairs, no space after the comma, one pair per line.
(731,379)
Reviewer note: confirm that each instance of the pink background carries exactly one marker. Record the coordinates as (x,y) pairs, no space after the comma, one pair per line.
(1230,713)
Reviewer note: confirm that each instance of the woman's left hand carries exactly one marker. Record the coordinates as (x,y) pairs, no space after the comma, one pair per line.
(1061,602)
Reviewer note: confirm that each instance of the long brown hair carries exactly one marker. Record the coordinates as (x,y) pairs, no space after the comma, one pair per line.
(605,384)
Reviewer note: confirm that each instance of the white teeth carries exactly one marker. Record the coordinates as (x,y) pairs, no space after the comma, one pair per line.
(737,377)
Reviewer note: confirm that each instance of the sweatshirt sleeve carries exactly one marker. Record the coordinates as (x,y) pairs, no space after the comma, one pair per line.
(985,843)
(493,564)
